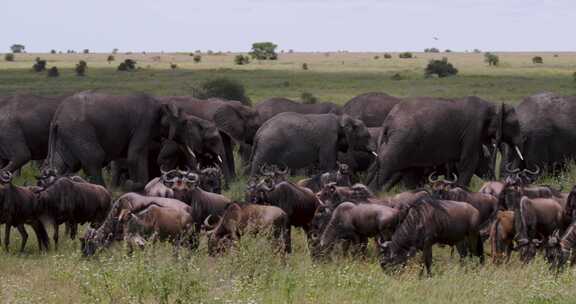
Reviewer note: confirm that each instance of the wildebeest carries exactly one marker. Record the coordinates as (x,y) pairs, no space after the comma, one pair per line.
(502,235)
(73,202)
(111,229)
(562,248)
(332,195)
(342,177)
(19,206)
(428,222)
(358,222)
(239,219)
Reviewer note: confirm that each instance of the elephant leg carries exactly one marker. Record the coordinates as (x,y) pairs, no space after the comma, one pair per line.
(229,151)
(328,156)
(138,166)
(467,165)
(92,161)
(20,156)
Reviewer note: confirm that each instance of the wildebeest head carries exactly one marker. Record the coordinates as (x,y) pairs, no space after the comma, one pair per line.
(5,177)
(331,195)
(511,194)
(47,177)
(441,186)
(211,179)
(260,190)
(317,225)
(275,172)
(91,242)
(360,192)
(223,231)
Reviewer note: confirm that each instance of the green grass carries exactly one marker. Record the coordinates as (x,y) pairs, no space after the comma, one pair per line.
(253,273)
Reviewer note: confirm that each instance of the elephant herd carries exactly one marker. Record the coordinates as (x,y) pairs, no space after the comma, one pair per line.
(175,155)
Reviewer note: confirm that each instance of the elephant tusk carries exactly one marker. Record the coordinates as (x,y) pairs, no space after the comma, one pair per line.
(190,151)
(519,153)
(220,159)
(375,154)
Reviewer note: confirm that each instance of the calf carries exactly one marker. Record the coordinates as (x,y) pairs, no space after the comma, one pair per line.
(239,219)
(502,236)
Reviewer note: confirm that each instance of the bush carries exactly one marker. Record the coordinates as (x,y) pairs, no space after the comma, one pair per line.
(53,72)
(127,65)
(376,57)
(308,98)
(305,66)
(81,68)
(241,59)
(17,48)
(40,65)
(264,51)
(491,59)
(197,58)
(110,58)
(432,50)
(224,88)
(537,60)
(173,66)
(387,56)
(396,76)
(86,51)
(9,57)
(442,68)
(405,55)
(477,51)
(448,51)
(52,51)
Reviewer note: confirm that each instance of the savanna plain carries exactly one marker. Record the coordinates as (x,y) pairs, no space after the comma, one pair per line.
(254,273)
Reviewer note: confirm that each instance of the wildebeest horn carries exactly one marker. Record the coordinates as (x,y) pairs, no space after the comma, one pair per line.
(518,152)
(219,159)
(264,171)
(536,171)
(207,223)
(510,170)
(282,172)
(190,151)
(375,154)
(191,177)
(431,178)
(452,181)
(5,176)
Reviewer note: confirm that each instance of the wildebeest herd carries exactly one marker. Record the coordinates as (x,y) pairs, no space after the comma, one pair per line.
(174,155)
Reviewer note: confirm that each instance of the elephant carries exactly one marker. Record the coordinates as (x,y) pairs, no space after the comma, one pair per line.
(360,161)
(548,131)
(236,122)
(427,132)
(25,123)
(371,108)
(90,129)
(271,107)
(300,141)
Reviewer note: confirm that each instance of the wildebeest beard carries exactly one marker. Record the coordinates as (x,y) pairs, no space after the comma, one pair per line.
(110,230)
(422,222)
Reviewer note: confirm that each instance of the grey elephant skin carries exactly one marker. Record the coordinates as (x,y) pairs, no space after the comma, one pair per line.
(548,127)
(307,141)
(427,132)
(25,124)
(90,129)
(371,108)
(271,107)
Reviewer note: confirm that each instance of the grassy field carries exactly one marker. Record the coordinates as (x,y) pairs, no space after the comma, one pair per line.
(253,273)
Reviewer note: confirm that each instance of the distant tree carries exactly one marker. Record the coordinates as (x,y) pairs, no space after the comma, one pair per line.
(110,58)
(115,51)
(209,52)
(197,58)
(537,60)
(241,59)
(491,59)
(308,98)
(376,57)
(387,56)
(17,48)
(127,65)
(52,51)
(81,67)
(477,51)
(264,51)
(39,65)
(53,72)
(432,50)
(305,66)
(555,55)
(290,51)
(405,55)
(224,88)
(9,57)
(86,51)
(448,51)
(442,68)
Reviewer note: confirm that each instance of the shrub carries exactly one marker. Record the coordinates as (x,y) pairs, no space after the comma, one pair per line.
(305,66)
(224,88)
(86,51)
(448,51)
(537,60)
(241,59)
(173,66)
(197,58)
(491,59)
(555,55)
(127,65)
(81,68)
(17,48)
(308,98)
(387,56)
(264,51)
(40,65)
(114,51)
(52,51)
(405,55)
(376,57)
(396,76)
(110,58)
(9,57)
(432,50)
(477,51)
(442,68)
(53,72)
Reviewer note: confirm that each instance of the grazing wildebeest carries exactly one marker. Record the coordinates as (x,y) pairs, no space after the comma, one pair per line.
(342,177)
(73,202)
(428,222)
(239,219)
(112,230)
(502,234)
(19,206)
(563,248)
(332,195)
(358,222)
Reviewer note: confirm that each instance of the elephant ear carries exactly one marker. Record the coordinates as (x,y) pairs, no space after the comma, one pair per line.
(171,117)
(347,126)
(231,122)
(500,125)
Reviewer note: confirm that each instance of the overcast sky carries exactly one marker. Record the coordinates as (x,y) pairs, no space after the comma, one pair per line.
(302,25)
